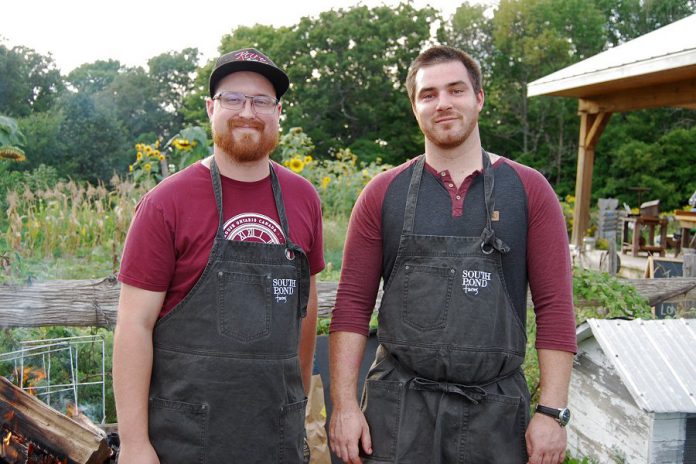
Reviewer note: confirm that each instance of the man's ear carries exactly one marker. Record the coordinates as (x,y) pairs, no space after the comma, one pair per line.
(210,107)
(480,99)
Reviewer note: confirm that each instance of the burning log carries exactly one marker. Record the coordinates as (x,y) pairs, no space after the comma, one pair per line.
(32,432)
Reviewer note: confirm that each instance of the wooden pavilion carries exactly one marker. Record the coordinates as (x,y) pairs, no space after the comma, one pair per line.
(657,69)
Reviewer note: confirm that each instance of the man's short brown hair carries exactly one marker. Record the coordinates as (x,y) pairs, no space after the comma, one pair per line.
(442,54)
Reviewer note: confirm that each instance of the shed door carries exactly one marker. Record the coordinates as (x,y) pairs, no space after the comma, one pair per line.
(690,442)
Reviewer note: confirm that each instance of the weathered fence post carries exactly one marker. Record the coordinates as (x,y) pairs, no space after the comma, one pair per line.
(689,262)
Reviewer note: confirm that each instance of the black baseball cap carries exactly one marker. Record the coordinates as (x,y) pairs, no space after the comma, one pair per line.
(249,59)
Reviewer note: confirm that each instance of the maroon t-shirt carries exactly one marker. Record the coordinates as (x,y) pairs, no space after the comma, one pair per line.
(172,233)
(528,219)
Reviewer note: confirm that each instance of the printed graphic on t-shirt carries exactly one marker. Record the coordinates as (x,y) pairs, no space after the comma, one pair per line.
(253,227)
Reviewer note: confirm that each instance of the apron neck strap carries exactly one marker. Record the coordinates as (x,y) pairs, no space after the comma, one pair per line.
(412,196)
(277,197)
(489,241)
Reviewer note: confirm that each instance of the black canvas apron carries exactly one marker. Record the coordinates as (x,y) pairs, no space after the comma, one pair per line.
(446,386)
(226,384)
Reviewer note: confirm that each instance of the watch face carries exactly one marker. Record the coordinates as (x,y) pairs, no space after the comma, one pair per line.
(564,416)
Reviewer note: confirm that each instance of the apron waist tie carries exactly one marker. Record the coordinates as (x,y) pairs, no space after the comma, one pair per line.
(473,393)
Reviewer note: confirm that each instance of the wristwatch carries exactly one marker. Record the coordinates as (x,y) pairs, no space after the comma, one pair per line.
(562,416)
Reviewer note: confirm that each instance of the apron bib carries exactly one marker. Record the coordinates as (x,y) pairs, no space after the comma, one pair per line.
(446,385)
(226,383)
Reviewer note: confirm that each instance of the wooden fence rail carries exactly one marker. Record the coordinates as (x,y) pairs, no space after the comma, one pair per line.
(92,303)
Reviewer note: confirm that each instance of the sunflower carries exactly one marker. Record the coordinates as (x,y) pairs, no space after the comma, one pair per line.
(325,182)
(148,150)
(147,167)
(161,157)
(297,165)
(12,153)
(139,156)
(182,144)
(130,168)
(307,159)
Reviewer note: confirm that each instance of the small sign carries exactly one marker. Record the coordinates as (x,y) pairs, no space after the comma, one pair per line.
(665,268)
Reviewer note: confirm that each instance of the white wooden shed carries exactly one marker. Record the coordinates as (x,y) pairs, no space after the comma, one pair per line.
(633,392)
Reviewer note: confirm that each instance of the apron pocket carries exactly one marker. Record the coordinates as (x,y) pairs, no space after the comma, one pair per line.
(382,409)
(292,432)
(427,293)
(495,431)
(178,430)
(244,305)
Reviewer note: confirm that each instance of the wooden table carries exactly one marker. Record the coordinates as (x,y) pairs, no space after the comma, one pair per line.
(687,221)
(639,223)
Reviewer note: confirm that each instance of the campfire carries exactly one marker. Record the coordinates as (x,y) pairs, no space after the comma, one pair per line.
(16,449)
(34,433)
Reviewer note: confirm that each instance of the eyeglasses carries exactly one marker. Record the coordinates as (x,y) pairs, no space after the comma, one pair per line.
(261,104)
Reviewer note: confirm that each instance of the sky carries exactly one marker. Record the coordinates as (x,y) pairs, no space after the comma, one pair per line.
(75,32)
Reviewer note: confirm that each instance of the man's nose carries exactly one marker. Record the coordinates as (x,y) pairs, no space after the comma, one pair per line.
(443,102)
(247,110)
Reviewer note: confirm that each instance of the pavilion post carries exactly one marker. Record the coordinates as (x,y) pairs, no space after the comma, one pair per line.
(591,127)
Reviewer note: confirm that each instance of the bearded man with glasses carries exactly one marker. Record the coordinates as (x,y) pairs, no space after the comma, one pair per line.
(216,323)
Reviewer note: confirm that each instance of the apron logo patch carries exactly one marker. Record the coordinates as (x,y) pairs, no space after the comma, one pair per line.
(473,281)
(282,288)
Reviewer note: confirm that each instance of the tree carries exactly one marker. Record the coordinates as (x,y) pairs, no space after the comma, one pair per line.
(347,68)
(44,139)
(30,81)
(470,29)
(173,74)
(525,40)
(352,69)
(94,77)
(628,19)
(648,148)
(94,142)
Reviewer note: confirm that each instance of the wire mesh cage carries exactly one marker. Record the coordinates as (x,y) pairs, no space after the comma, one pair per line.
(67,373)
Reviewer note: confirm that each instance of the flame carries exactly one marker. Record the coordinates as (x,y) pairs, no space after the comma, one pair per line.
(6,439)
(32,376)
(72,410)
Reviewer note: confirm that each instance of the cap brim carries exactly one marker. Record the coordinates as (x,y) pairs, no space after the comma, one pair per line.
(278,78)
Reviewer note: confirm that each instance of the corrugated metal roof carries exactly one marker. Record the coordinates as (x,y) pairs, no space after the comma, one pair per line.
(656,360)
(670,47)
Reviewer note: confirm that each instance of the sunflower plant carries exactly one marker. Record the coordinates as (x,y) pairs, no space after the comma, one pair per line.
(339,180)
(11,140)
(150,163)
(154,163)
(295,152)
(187,147)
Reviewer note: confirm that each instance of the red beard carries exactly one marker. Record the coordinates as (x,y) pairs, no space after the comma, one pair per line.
(244,149)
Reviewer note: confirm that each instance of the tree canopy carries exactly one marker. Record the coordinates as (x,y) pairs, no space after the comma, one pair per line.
(347,69)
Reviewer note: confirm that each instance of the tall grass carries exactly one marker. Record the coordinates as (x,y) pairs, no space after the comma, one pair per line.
(69,220)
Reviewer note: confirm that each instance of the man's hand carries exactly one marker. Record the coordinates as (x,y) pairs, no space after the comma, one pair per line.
(546,440)
(142,454)
(348,428)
